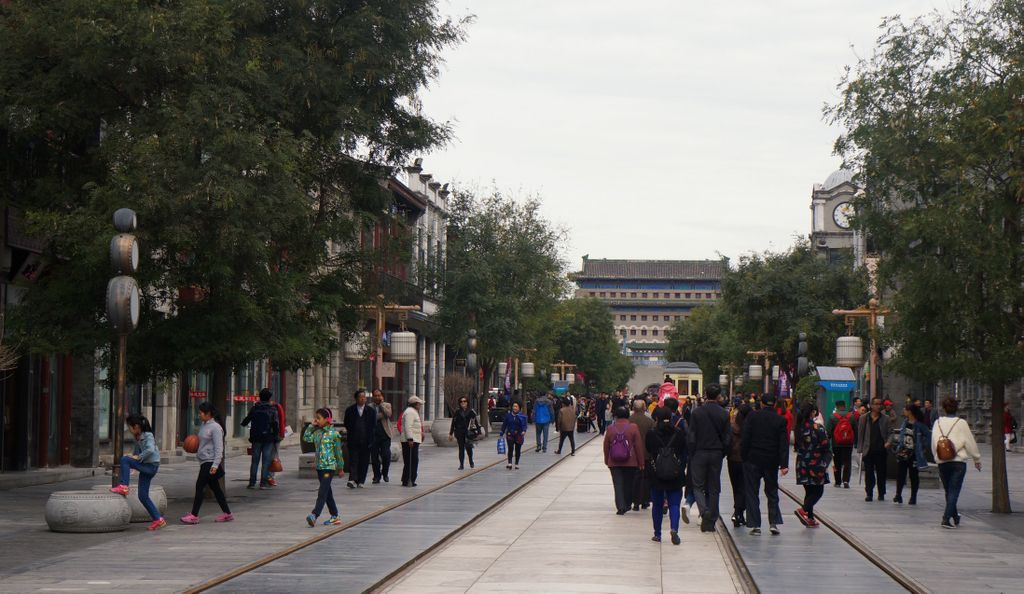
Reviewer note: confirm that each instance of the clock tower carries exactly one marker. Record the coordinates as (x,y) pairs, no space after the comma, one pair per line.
(832,215)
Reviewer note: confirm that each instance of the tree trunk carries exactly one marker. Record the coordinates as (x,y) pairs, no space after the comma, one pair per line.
(221,385)
(1000,487)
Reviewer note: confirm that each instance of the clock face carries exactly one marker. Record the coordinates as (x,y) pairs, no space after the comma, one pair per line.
(842,215)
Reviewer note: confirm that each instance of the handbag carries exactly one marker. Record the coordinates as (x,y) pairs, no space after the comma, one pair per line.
(501,446)
(276,466)
(474,432)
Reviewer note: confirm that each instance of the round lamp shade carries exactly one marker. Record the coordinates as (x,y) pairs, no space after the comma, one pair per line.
(526,370)
(357,347)
(850,351)
(775,373)
(502,368)
(755,373)
(403,347)
(723,380)
(570,377)
(555,377)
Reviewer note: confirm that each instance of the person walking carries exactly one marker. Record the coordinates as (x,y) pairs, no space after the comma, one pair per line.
(666,456)
(543,414)
(813,455)
(566,425)
(462,422)
(1009,427)
(624,455)
(412,437)
(211,465)
(840,429)
(263,437)
(765,452)
(145,460)
(872,442)
(328,462)
(907,442)
(953,444)
(281,429)
(600,409)
(360,426)
(513,429)
(383,433)
(641,483)
(735,465)
(709,436)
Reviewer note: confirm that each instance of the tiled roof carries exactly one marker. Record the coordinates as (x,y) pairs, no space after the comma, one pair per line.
(653,269)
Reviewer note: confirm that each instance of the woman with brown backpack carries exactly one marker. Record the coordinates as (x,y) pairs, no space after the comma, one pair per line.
(953,443)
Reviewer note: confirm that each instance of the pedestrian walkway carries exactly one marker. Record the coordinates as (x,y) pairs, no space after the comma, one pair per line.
(178,556)
(561,534)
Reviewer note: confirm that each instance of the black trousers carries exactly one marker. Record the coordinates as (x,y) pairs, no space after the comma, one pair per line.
(600,422)
(359,463)
(410,462)
(739,488)
(465,446)
(380,457)
(572,440)
(904,467)
(204,480)
(641,488)
(753,474)
(706,470)
(842,457)
(513,448)
(622,481)
(874,472)
(812,493)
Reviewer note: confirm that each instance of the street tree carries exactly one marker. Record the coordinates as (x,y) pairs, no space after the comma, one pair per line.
(583,333)
(708,338)
(250,137)
(934,128)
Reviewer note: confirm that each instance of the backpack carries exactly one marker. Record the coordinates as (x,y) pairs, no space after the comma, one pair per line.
(619,450)
(944,448)
(543,413)
(667,466)
(262,424)
(842,435)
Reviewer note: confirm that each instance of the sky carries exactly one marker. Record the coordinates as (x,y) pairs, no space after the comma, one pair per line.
(653,129)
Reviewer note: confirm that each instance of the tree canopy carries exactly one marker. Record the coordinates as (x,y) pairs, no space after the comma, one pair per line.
(934,128)
(582,331)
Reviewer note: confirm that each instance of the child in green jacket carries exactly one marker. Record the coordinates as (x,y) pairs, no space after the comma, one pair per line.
(329,462)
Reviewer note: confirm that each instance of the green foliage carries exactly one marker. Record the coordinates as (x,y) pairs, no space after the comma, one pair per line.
(807,389)
(583,333)
(231,128)
(708,338)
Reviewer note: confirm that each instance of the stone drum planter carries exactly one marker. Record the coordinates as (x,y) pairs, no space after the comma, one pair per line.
(139,513)
(439,431)
(87,511)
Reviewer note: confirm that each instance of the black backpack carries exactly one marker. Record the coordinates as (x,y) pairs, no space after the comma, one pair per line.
(667,465)
(262,424)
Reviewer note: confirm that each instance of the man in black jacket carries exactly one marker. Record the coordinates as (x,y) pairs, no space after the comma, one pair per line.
(709,439)
(360,422)
(765,453)
(262,421)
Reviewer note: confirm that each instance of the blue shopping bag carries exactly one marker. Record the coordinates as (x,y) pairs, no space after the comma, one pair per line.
(501,445)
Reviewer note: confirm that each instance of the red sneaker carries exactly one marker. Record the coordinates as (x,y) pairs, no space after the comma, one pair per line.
(271,482)
(120,490)
(802,515)
(157,524)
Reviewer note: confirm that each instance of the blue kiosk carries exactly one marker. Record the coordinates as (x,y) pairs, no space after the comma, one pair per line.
(838,384)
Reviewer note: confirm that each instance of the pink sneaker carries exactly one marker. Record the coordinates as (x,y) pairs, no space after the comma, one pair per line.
(225,518)
(189,519)
(120,490)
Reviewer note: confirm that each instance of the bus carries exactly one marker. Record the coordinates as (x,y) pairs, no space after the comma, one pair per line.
(687,377)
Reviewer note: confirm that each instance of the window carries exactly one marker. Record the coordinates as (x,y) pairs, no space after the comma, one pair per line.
(707,295)
(643,295)
(677,295)
(622,332)
(654,332)
(643,318)
(642,333)
(632,332)
(655,295)
(632,318)
(633,295)
(688,295)
(612,294)
(622,317)
(591,293)
(601,294)
(677,318)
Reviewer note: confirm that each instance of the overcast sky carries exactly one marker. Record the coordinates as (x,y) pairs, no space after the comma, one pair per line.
(654,129)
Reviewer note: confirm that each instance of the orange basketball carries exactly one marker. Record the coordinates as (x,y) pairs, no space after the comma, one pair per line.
(191,444)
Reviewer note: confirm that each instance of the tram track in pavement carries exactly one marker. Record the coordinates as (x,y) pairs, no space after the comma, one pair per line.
(224,578)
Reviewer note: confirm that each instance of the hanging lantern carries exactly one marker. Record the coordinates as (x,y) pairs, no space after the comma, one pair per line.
(775,373)
(357,347)
(570,377)
(755,373)
(723,380)
(502,368)
(403,346)
(526,370)
(850,351)
(555,377)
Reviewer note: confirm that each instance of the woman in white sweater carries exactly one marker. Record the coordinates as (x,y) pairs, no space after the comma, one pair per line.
(412,437)
(953,471)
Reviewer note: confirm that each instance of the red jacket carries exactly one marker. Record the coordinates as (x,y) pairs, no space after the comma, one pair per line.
(280,420)
(1007,422)
(636,444)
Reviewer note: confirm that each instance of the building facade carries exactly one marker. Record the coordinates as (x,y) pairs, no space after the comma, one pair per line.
(832,235)
(647,296)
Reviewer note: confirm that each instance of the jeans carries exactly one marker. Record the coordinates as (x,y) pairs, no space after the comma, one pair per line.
(325,494)
(754,474)
(739,488)
(264,451)
(380,457)
(842,458)
(542,430)
(907,467)
(622,481)
(146,472)
(465,447)
(812,493)
(204,480)
(359,462)
(572,440)
(658,496)
(410,462)
(952,476)
(513,447)
(874,472)
(707,483)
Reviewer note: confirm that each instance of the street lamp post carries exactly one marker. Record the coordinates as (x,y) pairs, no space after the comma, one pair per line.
(871,312)
(123,305)
(767,365)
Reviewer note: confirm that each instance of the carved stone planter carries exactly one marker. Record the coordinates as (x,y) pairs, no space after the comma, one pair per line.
(139,513)
(439,431)
(87,511)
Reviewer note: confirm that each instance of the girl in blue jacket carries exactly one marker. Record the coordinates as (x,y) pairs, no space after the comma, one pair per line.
(145,459)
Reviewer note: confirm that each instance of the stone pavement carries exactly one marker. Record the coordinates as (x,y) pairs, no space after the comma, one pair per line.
(561,534)
(181,556)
